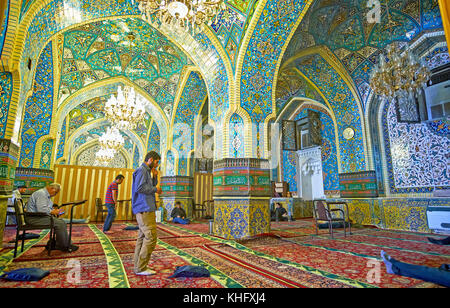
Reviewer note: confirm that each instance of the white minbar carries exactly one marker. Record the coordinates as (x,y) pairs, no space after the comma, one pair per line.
(309,174)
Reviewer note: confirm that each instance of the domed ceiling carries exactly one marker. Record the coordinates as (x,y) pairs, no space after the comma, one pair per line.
(123,47)
(343,27)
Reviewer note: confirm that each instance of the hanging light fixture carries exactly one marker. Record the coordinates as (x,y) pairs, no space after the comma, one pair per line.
(104,156)
(111,139)
(182,14)
(400,76)
(126,110)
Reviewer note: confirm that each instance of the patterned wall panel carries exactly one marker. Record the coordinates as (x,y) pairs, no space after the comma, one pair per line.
(259,64)
(170,164)
(236,136)
(290,84)
(416,154)
(6,85)
(39,108)
(153,143)
(4,26)
(438,57)
(137,159)
(430,15)
(194,94)
(237,219)
(228,26)
(46,154)
(218,86)
(406,214)
(290,169)
(345,108)
(62,141)
(85,112)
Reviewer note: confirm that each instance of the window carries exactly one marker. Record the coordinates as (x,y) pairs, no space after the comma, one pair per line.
(303,133)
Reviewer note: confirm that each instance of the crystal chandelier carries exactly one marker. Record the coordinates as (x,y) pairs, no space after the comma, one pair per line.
(126,109)
(111,139)
(401,76)
(104,156)
(184,14)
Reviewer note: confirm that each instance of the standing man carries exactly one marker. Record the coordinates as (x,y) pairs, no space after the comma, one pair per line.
(144,206)
(110,201)
(40,201)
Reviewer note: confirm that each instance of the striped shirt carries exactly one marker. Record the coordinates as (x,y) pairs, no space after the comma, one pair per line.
(109,192)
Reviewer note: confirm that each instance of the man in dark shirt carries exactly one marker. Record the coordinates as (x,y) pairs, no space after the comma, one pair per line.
(280,213)
(179,215)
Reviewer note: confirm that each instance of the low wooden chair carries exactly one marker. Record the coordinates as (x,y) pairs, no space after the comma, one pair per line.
(22,225)
(323,212)
(101,208)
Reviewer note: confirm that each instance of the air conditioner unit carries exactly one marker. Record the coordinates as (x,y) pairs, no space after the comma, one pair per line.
(438,100)
(438,218)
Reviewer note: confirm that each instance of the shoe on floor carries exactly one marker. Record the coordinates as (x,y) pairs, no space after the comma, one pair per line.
(72,248)
(147,272)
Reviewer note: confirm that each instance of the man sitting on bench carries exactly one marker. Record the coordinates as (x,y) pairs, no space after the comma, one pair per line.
(40,201)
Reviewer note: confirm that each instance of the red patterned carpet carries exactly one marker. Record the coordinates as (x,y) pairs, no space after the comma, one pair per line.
(291,256)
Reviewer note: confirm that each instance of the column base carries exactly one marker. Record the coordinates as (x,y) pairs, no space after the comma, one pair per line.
(240,218)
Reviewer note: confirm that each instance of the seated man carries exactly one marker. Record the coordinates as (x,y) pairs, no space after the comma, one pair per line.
(40,201)
(179,215)
(280,213)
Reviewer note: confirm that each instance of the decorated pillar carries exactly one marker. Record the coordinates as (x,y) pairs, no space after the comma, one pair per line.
(177,188)
(9,153)
(34,179)
(241,197)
